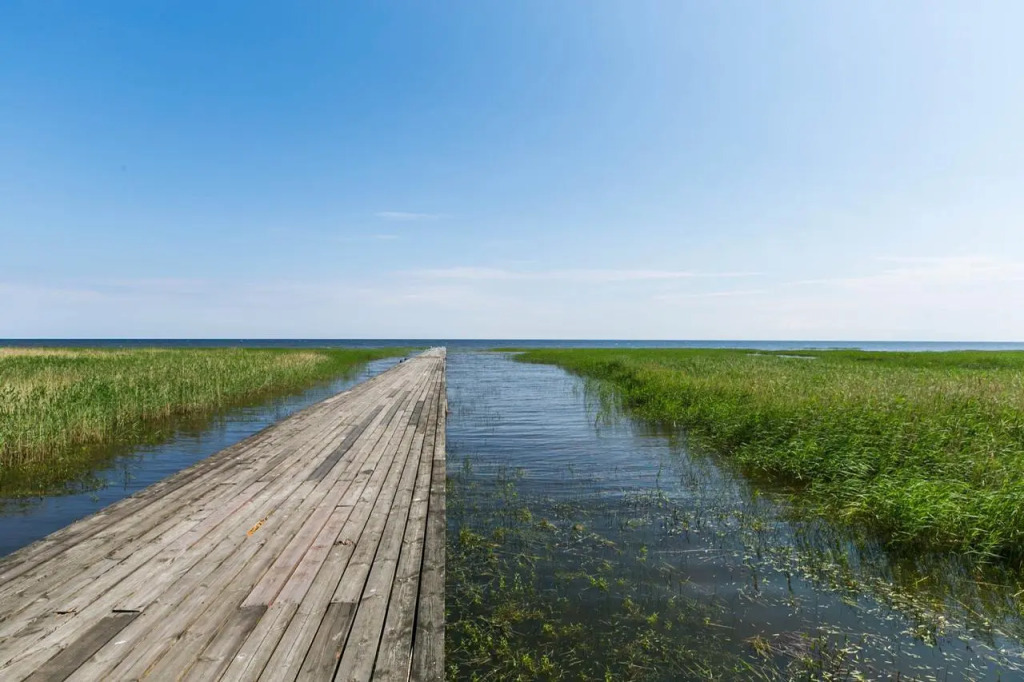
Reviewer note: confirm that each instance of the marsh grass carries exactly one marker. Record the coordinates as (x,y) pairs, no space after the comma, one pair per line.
(60,407)
(924,449)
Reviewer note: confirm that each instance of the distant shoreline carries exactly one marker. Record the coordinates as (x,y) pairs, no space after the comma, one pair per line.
(492,344)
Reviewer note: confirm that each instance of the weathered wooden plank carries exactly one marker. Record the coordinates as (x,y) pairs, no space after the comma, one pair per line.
(215,658)
(98,593)
(360,653)
(328,464)
(161,577)
(325,652)
(252,655)
(68,660)
(364,536)
(295,641)
(257,650)
(295,553)
(194,619)
(394,656)
(428,641)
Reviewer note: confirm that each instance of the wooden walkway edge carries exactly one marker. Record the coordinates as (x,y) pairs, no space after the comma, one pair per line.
(313,550)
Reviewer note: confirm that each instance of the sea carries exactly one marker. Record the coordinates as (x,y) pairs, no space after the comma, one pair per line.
(490,344)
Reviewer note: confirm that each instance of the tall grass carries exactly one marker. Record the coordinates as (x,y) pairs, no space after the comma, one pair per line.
(57,406)
(926,449)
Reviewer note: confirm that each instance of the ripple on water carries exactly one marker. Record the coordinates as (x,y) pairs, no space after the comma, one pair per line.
(532,456)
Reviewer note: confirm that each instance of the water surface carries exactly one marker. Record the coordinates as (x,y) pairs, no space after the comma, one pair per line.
(568,516)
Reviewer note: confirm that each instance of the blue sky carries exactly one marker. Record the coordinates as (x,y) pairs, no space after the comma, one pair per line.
(664,170)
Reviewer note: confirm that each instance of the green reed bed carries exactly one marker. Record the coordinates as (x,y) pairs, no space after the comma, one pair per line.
(925,449)
(60,407)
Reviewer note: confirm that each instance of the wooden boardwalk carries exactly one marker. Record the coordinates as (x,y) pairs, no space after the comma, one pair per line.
(313,550)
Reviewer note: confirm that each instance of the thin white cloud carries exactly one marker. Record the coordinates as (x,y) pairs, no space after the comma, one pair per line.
(406,216)
(104,288)
(917,271)
(683,297)
(348,239)
(931,303)
(473,273)
(29,295)
(157,285)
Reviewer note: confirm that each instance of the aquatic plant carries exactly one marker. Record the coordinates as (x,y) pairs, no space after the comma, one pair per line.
(534,593)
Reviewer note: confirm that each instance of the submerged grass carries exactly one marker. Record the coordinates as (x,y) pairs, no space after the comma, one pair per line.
(544,590)
(925,449)
(58,406)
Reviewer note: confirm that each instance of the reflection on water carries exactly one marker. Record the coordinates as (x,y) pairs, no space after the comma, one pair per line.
(24,521)
(584,545)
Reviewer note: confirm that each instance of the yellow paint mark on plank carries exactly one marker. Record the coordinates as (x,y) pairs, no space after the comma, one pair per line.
(257,526)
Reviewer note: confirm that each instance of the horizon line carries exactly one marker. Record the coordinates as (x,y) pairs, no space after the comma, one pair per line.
(496,338)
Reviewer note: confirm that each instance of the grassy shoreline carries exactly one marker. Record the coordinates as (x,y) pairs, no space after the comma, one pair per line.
(925,449)
(58,406)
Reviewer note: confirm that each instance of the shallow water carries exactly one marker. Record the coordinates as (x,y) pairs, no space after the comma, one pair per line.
(25,521)
(598,514)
